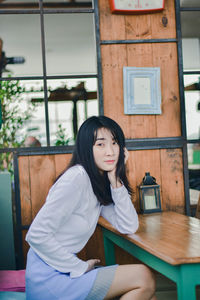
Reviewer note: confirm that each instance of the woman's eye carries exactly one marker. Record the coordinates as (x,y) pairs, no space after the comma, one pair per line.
(100,145)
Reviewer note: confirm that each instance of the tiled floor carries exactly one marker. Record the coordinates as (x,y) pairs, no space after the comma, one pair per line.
(166,289)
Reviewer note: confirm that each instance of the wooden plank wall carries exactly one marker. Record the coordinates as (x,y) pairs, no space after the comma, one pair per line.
(165,164)
(37,173)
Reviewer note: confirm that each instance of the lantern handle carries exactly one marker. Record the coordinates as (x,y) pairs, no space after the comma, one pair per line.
(148,179)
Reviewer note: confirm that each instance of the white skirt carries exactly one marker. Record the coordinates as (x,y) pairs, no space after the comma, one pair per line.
(46,283)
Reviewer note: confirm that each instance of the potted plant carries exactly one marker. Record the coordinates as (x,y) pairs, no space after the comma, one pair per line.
(13,119)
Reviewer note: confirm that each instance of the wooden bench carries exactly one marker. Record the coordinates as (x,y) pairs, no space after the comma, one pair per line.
(167,242)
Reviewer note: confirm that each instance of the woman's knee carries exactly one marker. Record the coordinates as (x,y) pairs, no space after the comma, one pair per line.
(137,278)
(148,281)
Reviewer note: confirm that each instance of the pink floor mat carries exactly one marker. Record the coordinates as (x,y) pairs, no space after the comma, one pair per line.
(12,281)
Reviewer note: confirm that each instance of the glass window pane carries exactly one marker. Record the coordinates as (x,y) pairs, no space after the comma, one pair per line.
(194,175)
(20,35)
(70,44)
(22,115)
(36,126)
(190,24)
(191,62)
(190,3)
(68,109)
(192,106)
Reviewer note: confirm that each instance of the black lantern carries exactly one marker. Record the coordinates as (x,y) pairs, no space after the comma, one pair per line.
(149,192)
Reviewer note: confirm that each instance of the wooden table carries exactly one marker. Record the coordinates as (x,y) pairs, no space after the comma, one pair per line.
(167,242)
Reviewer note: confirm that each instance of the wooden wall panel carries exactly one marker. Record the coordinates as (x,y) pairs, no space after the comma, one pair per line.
(169,122)
(25,246)
(147,26)
(172,180)
(163,24)
(25,191)
(94,247)
(42,174)
(140,162)
(114,57)
(123,257)
(166,166)
(61,162)
(112,26)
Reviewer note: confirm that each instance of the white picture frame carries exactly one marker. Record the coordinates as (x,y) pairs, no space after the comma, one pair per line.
(142,91)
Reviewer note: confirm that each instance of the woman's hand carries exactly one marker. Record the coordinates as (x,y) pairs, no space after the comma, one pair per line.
(114,181)
(92,263)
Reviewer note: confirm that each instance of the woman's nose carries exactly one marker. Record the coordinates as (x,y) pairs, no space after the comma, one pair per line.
(109,150)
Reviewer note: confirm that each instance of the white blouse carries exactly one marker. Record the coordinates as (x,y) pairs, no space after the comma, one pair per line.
(69,217)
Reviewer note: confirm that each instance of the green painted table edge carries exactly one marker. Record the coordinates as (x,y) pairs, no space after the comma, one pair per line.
(186,276)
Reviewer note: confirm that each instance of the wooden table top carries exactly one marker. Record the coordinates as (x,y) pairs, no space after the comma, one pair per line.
(170,236)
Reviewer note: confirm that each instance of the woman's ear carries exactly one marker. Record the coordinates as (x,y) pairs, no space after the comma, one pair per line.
(126,155)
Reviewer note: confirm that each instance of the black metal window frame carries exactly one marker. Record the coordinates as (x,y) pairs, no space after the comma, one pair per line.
(42,11)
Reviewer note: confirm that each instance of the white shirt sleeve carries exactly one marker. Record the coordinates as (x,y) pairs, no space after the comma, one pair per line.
(63,198)
(122,214)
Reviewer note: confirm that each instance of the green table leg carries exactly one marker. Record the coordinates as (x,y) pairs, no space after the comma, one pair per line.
(189,277)
(109,250)
(186,276)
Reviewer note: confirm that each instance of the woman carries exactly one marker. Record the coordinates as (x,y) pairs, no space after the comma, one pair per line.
(94,184)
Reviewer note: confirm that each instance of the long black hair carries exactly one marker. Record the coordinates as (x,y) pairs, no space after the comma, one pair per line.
(83,155)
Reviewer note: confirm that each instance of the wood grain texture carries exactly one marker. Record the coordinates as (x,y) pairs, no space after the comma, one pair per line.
(42,176)
(61,162)
(112,27)
(25,191)
(114,58)
(94,247)
(163,24)
(172,180)
(166,166)
(25,246)
(140,162)
(165,57)
(138,26)
(197,214)
(169,236)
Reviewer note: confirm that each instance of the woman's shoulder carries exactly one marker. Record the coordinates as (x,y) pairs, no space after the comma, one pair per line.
(75,172)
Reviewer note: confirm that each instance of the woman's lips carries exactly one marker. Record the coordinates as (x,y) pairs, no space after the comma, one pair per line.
(110,161)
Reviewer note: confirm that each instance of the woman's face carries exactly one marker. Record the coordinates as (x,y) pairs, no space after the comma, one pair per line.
(105,150)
